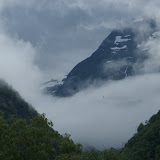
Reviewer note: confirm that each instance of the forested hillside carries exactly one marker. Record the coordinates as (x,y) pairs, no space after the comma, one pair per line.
(145,145)
(27,135)
(11,103)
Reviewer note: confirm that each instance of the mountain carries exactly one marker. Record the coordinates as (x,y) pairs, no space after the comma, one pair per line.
(24,134)
(11,104)
(115,59)
(145,144)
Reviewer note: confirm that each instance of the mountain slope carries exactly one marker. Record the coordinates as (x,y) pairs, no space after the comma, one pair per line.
(30,136)
(115,59)
(24,134)
(11,104)
(144,145)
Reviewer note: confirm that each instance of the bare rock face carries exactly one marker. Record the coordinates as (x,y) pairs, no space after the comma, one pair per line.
(115,59)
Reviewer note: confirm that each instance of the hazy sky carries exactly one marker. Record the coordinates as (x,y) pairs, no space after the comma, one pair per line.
(43,39)
(69,31)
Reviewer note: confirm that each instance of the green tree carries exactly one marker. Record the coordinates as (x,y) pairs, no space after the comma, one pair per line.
(20,140)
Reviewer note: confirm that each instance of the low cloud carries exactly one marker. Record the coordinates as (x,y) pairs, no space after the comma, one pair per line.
(17,65)
(51,35)
(100,117)
(107,116)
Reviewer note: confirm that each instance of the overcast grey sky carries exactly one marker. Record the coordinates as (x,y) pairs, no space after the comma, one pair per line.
(66,32)
(42,39)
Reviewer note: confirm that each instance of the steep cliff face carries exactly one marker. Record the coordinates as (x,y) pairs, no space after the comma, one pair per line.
(115,59)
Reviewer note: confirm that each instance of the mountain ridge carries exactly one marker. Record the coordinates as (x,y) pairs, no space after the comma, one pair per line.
(115,59)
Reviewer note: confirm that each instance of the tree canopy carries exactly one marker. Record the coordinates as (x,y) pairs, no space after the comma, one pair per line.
(27,135)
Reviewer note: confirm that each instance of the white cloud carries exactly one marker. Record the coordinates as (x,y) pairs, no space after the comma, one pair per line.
(17,65)
(101,117)
(107,116)
(59,27)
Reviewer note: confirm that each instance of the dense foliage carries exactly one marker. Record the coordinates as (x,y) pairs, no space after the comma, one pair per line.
(23,140)
(26,135)
(11,104)
(145,144)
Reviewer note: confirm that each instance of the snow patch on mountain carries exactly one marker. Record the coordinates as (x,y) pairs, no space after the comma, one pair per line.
(139,45)
(138,20)
(119,39)
(155,35)
(145,49)
(109,61)
(51,83)
(127,36)
(126,72)
(119,48)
